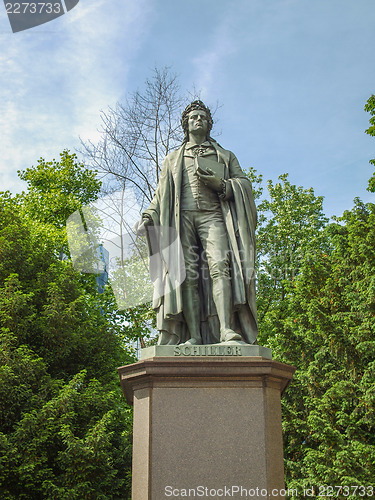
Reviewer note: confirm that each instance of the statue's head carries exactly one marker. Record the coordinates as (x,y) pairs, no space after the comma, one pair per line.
(185,117)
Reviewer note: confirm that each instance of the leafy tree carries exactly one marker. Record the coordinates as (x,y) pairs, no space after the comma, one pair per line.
(316,312)
(64,425)
(56,189)
(47,304)
(72,445)
(328,334)
(290,223)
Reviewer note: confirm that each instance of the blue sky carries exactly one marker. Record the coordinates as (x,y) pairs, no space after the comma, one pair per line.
(292,77)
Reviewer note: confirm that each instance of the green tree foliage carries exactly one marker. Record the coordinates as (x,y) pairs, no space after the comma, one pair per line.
(290,226)
(321,320)
(56,189)
(328,334)
(71,446)
(64,425)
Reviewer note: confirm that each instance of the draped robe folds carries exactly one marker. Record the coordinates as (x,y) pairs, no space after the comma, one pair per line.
(239,216)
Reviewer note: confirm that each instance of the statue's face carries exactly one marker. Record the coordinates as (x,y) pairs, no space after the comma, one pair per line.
(198,121)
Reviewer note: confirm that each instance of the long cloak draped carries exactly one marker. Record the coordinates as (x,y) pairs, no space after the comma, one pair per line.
(239,216)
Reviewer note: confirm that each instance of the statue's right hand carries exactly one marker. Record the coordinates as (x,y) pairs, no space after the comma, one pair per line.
(140,227)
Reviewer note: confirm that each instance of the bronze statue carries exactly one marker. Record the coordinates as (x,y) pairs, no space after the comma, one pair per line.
(206,198)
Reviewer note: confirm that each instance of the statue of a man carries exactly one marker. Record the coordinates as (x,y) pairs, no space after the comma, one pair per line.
(204,195)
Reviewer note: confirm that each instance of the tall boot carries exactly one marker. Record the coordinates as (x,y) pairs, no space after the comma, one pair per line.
(191,308)
(222,295)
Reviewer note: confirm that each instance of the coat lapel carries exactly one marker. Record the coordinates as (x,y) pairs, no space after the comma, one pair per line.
(176,168)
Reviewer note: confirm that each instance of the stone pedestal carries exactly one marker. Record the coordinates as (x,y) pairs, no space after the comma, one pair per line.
(205,423)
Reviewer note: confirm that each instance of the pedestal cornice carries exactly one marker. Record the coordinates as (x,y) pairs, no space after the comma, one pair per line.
(199,371)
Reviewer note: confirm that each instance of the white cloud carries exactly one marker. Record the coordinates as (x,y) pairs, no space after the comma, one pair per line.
(58,76)
(209,66)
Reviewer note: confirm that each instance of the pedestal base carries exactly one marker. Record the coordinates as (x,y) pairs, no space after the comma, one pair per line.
(206,422)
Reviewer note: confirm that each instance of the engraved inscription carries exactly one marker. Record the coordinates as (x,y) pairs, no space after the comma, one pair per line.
(207,350)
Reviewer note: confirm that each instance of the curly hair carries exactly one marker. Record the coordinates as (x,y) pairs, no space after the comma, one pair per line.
(185,117)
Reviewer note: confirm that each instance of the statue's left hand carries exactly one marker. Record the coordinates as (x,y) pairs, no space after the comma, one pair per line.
(211,180)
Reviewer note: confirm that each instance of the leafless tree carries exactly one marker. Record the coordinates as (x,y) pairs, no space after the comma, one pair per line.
(137,135)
